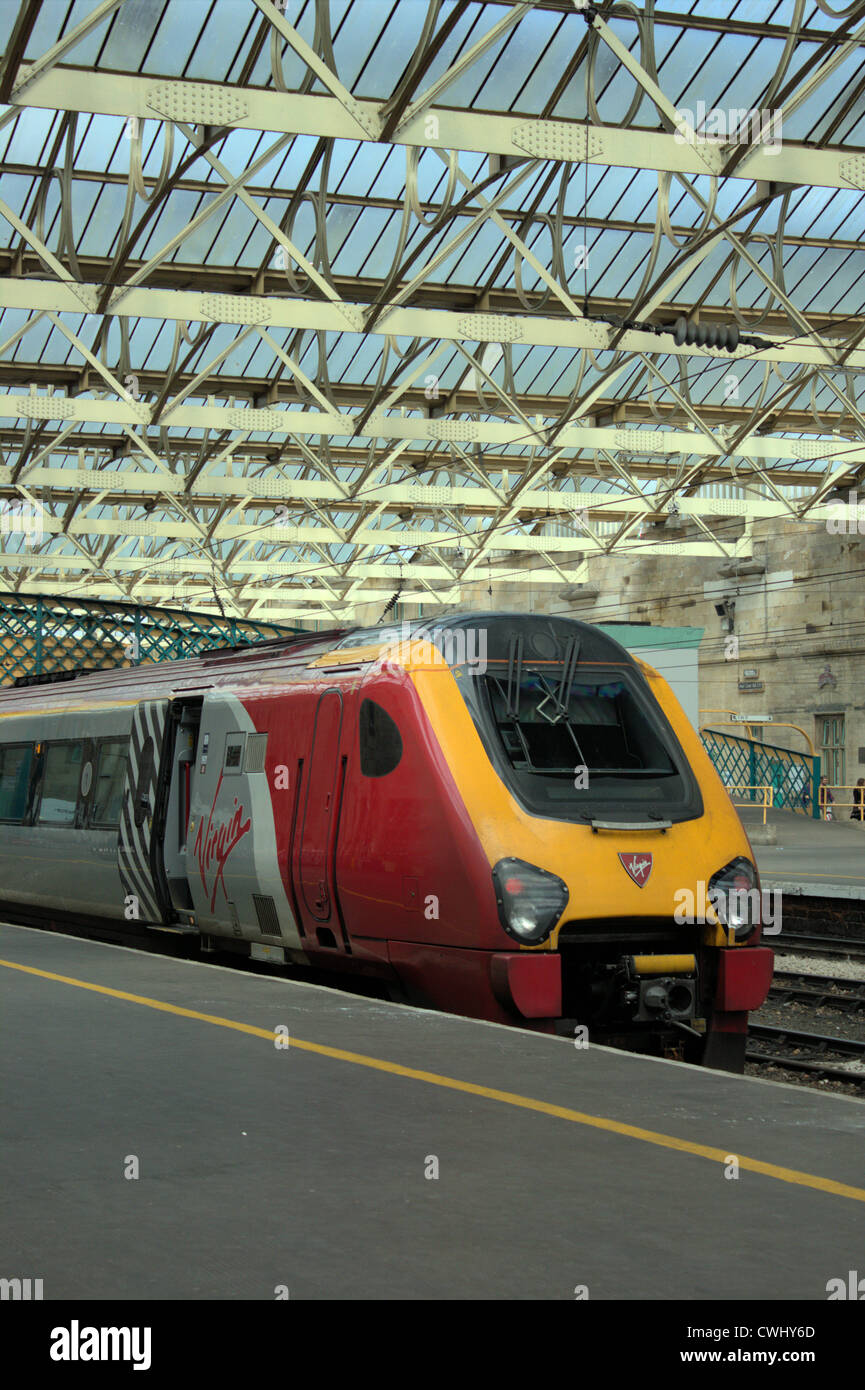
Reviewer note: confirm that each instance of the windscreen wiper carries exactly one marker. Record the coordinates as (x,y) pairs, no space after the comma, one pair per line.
(515,675)
(562,698)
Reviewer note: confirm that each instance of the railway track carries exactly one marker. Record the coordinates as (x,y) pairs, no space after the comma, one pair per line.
(811,944)
(818,991)
(818,1054)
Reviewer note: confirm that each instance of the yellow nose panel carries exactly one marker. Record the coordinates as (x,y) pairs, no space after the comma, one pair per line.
(683,858)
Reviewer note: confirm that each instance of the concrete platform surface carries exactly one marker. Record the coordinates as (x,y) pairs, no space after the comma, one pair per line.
(813,857)
(312,1169)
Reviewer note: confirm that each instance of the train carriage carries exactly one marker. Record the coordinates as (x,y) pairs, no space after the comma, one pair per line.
(500,818)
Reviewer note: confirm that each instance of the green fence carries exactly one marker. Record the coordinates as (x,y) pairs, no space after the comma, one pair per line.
(744,762)
(44,635)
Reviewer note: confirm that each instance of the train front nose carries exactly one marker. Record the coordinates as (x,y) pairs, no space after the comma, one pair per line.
(661,988)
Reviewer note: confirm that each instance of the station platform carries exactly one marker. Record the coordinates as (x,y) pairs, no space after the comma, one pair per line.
(814,858)
(562,1172)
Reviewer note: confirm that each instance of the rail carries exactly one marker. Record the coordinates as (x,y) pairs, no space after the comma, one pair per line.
(793,777)
(768,798)
(50,635)
(831,807)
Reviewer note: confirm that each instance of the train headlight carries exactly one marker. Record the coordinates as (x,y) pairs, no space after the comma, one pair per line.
(734,894)
(530,900)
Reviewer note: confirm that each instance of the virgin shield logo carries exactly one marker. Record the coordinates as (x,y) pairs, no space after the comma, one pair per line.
(638,866)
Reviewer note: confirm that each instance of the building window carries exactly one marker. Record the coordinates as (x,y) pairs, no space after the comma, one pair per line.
(15,764)
(831,739)
(61,778)
(110,781)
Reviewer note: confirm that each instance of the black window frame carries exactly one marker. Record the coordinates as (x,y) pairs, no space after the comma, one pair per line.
(475,692)
(372,759)
(45,747)
(100,745)
(9,747)
(513,729)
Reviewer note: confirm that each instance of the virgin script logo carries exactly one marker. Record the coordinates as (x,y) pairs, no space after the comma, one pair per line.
(214,844)
(639,866)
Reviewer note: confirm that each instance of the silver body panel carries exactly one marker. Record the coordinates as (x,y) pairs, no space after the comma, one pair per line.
(240,894)
(59,866)
(231,854)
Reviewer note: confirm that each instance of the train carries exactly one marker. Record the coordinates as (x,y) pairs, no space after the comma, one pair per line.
(499,817)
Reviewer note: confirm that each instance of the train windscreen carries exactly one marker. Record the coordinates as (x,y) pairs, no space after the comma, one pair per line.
(582,744)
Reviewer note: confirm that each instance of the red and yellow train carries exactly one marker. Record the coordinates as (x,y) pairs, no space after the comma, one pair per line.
(498,819)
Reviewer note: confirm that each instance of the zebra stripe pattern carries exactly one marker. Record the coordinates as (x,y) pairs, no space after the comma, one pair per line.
(145,751)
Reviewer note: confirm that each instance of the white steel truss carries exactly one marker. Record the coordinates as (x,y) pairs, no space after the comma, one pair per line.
(443,350)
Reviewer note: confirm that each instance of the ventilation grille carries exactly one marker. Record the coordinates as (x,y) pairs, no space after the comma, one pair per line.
(256,748)
(265,911)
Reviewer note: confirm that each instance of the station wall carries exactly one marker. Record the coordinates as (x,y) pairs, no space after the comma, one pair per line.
(797,645)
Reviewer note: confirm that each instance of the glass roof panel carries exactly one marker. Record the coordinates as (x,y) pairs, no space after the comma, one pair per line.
(132,30)
(809,235)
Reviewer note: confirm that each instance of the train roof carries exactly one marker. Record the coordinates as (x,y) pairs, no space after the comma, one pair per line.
(474,635)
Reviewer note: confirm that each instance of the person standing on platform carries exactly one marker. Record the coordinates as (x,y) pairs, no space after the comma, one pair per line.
(858,812)
(827,800)
(796,785)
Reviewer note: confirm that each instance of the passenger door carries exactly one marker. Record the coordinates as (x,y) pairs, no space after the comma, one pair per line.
(139,857)
(315,858)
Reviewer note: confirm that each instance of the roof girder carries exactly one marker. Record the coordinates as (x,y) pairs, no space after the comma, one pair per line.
(124,95)
(199,491)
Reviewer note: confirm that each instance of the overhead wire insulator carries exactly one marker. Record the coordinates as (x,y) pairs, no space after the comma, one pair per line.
(715,335)
(392,602)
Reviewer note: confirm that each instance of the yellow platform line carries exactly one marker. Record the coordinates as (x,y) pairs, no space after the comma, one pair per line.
(431,1078)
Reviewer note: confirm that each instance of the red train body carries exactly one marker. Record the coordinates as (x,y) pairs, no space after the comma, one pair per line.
(340,801)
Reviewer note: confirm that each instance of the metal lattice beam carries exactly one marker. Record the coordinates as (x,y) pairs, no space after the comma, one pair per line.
(492,381)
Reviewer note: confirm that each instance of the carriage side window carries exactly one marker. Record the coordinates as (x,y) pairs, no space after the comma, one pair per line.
(380,741)
(110,781)
(16,761)
(143,787)
(61,778)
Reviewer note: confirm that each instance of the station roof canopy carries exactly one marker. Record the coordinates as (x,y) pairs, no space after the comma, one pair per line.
(303,305)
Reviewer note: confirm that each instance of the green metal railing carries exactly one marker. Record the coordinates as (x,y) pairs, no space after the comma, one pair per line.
(42,635)
(743,762)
